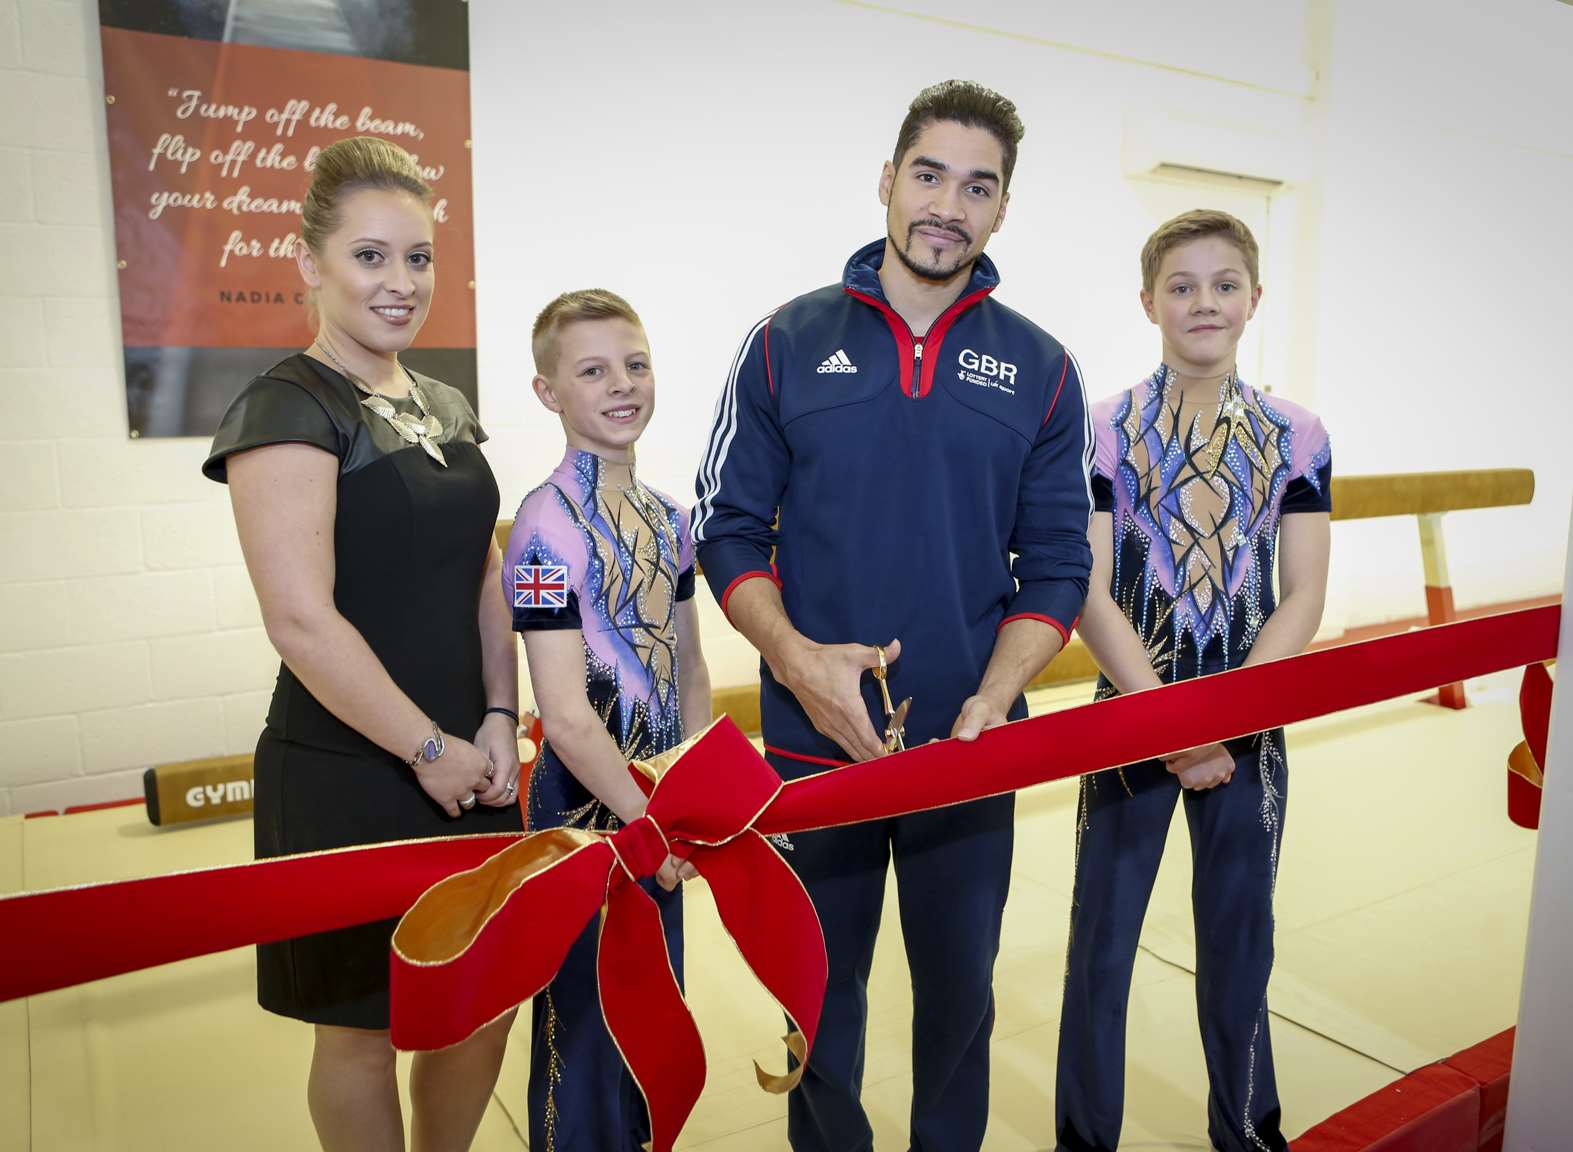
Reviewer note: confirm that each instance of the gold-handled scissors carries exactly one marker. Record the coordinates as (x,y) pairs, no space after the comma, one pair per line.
(895,717)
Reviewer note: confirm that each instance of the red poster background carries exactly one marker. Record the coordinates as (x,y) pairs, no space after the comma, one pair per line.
(173,291)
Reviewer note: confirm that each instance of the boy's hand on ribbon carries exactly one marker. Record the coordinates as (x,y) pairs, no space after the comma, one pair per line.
(1202,768)
(673,872)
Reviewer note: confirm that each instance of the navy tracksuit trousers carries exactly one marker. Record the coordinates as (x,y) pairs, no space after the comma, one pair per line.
(952,873)
(1236,829)
(582,1097)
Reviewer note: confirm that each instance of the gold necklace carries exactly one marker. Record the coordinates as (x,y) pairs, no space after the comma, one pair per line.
(412,431)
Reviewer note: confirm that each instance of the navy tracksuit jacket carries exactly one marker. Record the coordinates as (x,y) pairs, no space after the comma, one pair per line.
(929,488)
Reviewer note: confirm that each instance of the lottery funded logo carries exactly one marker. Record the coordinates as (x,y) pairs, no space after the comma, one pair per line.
(986,371)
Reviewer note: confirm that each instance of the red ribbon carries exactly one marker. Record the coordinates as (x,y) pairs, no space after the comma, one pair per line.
(1126,729)
(1526,764)
(700,808)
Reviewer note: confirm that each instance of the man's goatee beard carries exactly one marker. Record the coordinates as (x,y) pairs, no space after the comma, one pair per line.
(931,274)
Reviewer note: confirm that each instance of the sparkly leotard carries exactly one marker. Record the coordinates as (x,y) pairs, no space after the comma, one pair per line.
(595,549)
(1196,486)
(1196,492)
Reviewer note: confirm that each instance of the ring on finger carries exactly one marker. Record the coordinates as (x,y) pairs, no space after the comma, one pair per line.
(467,802)
(490,768)
(512,787)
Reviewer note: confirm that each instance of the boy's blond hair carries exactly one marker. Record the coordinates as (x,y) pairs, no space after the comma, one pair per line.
(574,308)
(1196,225)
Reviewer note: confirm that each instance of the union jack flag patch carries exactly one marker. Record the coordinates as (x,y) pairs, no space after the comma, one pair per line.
(540,586)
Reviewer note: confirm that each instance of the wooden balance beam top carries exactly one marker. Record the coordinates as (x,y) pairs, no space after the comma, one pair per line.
(1429,493)
(1391,494)
(1427,496)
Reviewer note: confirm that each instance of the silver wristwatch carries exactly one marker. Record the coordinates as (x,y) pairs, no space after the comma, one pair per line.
(431,748)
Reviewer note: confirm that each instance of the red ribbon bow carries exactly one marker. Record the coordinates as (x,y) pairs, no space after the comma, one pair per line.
(482,941)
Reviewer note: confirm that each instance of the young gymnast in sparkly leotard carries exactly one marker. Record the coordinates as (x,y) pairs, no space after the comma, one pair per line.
(1202,485)
(600,573)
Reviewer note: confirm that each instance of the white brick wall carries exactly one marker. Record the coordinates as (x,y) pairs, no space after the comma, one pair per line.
(29,478)
(10,36)
(55,37)
(73,399)
(33,616)
(152,734)
(129,634)
(243,717)
(81,331)
(21,317)
(234,599)
(16,186)
(54,795)
(190,535)
(45,750)
(99,475)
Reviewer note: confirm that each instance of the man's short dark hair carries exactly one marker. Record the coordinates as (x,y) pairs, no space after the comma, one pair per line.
(969,104)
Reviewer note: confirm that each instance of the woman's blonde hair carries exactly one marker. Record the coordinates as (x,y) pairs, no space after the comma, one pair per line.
(348,166)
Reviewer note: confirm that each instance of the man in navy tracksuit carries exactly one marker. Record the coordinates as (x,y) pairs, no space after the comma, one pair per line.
(916,456)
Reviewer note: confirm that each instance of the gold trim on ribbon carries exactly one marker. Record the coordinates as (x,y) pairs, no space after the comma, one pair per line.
(796,1042)
(782,1084)
(432,942)
(265,862)
(666,955)
(1521,762)
(657,767)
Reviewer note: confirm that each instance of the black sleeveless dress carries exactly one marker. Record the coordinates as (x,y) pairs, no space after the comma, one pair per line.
(410,545)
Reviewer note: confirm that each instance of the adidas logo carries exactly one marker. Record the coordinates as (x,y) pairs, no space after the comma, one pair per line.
(838,363)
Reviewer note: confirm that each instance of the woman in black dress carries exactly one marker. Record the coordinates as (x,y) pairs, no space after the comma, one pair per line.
(365,510)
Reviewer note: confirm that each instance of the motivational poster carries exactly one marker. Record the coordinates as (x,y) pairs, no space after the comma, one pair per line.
(216,114)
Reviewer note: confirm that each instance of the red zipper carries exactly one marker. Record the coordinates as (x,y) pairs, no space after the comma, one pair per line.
(917,374)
